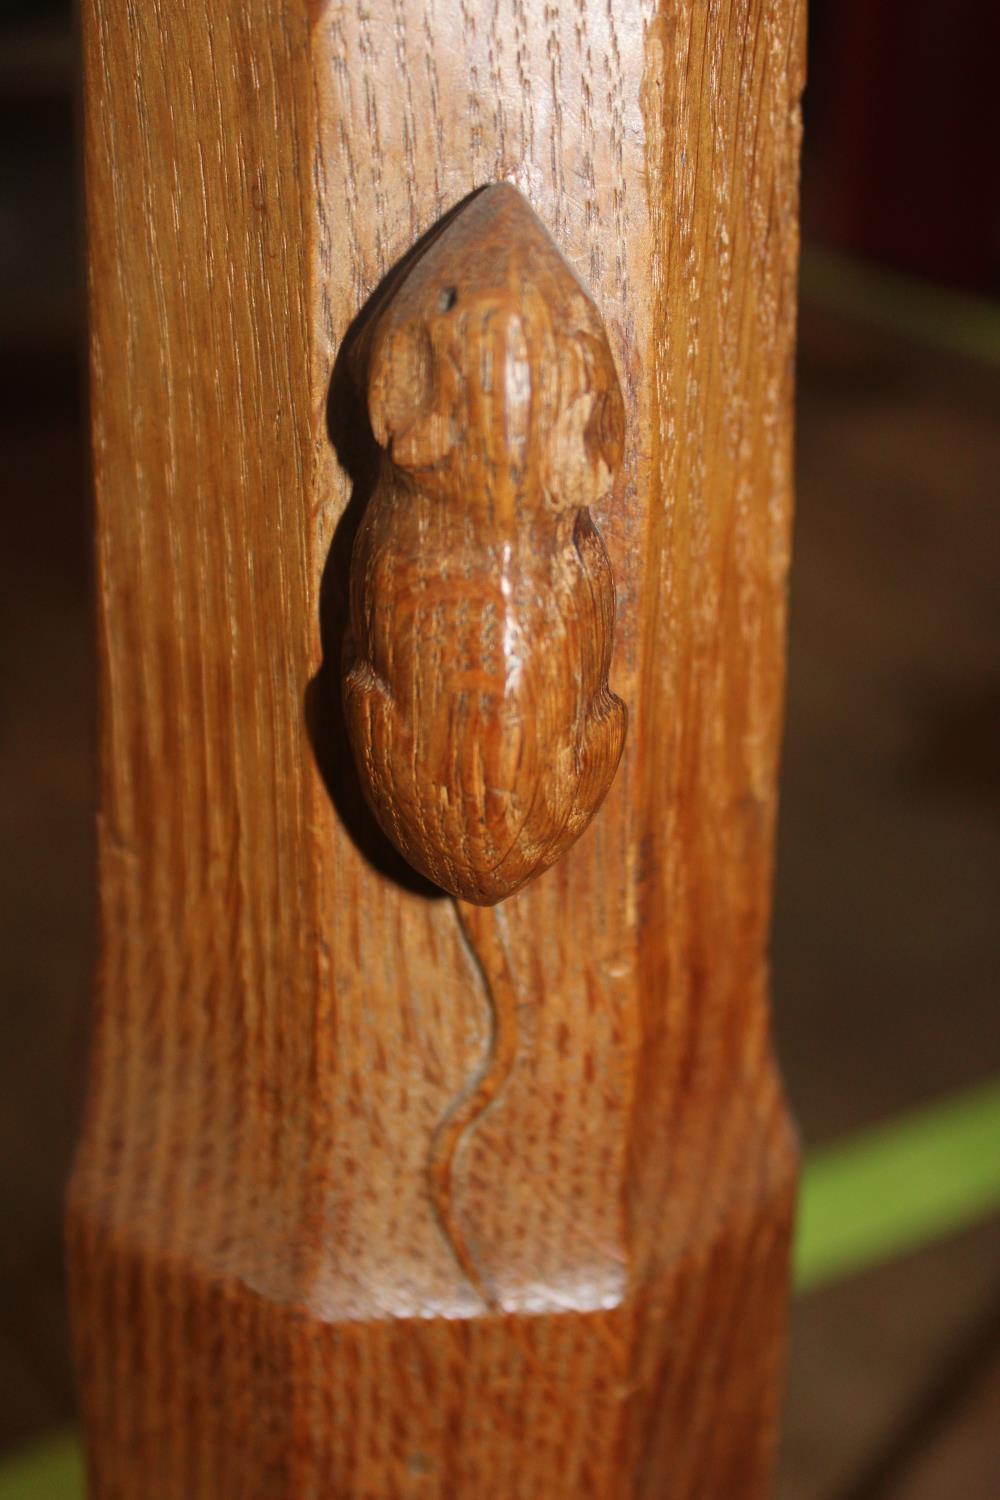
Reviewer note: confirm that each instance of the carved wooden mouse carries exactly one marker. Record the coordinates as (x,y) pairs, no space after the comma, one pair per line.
(482,602)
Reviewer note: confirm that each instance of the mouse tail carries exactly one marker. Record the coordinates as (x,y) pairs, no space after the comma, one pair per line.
(484,931)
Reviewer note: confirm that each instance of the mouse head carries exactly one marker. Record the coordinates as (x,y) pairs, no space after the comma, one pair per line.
(489,375)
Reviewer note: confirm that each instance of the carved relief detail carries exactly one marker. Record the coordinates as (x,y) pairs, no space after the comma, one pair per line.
(482,602)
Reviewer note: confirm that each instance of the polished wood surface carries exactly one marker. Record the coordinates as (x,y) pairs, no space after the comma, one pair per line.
(482,602)
(306,1257)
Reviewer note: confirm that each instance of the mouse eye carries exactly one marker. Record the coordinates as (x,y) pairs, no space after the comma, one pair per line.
(447,298)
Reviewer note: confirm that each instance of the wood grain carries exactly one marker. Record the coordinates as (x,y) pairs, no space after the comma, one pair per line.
(265,1299)
(482,602)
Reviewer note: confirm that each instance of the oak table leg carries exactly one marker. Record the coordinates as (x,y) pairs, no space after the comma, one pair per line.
(267,1300)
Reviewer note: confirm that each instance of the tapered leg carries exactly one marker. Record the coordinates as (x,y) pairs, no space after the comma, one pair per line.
(267,1299)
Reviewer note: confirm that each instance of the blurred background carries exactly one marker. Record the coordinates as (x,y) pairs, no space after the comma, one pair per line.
(887,912)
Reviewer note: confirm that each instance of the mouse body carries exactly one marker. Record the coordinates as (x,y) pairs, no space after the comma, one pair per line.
(482,601)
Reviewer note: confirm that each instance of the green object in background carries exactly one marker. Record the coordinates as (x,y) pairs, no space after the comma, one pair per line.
(53,1471)
(928,314)
(898,1186)
(863,1202)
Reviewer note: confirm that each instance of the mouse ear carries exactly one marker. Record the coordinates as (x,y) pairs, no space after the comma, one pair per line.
(585,432)
(604,434)
(402,408)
